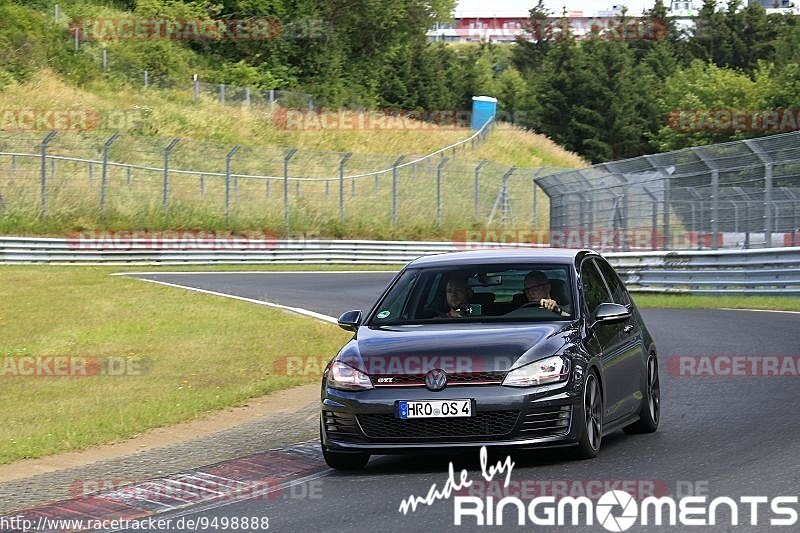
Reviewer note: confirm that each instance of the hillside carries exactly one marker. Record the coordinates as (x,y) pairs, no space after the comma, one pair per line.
(208,130)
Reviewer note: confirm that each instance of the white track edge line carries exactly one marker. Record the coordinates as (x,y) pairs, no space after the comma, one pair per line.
(297,310)
(178,272)
(758,310)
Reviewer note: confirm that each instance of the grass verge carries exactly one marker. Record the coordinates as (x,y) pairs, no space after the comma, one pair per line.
(203,353)
(690,301)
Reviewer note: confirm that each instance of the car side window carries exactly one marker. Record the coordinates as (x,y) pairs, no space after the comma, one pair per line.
(618,291)
(594,289)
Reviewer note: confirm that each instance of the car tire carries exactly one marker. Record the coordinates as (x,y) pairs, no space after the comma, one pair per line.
(345,461)
(590,419)
(650,414)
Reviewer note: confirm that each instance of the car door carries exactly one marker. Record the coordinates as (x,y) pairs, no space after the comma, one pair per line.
(629,342)
(603,340)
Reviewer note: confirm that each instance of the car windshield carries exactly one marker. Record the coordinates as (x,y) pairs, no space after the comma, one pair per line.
(481,293)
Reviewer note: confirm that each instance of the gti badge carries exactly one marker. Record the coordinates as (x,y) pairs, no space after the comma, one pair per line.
(436,379)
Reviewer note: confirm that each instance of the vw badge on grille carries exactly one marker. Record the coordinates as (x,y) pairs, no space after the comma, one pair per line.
(436,379)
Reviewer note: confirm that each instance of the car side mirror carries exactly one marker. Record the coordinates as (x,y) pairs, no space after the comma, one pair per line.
(609,313)
(350,320)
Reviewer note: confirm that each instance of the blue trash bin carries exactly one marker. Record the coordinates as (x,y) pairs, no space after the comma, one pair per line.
(484,109)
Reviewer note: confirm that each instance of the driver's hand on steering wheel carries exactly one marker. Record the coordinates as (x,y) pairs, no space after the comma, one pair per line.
(549,304)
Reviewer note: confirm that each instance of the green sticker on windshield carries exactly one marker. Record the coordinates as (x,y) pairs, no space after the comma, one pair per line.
(383,314)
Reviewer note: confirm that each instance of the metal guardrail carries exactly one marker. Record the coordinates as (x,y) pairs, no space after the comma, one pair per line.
(761,271)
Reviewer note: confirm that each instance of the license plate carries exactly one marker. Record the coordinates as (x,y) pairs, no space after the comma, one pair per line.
(434,409)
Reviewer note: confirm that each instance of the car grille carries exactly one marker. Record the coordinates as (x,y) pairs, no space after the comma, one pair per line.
(482,425)
(460,378)
(546,422)
(341,426)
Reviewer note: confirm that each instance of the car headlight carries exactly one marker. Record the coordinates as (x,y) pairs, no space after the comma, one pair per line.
(542,372)
(345,377)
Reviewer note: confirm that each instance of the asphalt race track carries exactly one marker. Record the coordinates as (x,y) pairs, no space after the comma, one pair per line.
(719,436)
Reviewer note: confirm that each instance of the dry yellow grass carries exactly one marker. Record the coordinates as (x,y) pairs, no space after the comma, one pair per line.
(208,130)
(173,114)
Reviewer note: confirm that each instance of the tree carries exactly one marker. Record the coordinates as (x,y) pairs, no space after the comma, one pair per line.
(693,96)
(531,50)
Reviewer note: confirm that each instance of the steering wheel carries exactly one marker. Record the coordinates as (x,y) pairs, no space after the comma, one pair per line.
(557,310)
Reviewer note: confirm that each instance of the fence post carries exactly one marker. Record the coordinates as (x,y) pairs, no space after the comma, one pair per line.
(665,214)
(43,201)
(534,206)
(202,186)
(768,205)
(91,173)
(767,161)
(654,218)
(195,88)
(394,189)
(505,193)
(222,93)
(228,159)
(286,159)
(165,188)
(478,168)
(105,59)
(439,168)
(128,177)
(146,79)
(342,163)
(104,173)
(77,40)
(714,208)
(271,99)
(14,165)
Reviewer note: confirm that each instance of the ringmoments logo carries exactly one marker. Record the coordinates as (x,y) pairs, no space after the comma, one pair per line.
(615,510)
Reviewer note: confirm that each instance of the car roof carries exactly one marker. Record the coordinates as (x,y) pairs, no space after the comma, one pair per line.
(499,256)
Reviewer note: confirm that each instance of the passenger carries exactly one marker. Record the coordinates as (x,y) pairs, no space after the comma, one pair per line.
(458,295)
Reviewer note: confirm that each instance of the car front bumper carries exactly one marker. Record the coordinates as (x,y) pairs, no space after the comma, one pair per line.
(365,421)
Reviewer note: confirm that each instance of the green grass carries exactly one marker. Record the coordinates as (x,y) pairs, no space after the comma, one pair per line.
(688,301)
(205,353)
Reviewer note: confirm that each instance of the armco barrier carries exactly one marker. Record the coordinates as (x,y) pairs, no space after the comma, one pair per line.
(762,271)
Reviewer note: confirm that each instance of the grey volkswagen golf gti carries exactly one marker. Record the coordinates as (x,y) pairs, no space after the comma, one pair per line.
(507,348)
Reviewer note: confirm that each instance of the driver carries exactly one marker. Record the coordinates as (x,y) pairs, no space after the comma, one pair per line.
(537,291)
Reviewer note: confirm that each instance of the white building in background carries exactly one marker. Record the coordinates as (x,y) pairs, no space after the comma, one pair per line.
(505,20)
(779,6)
(684,8)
